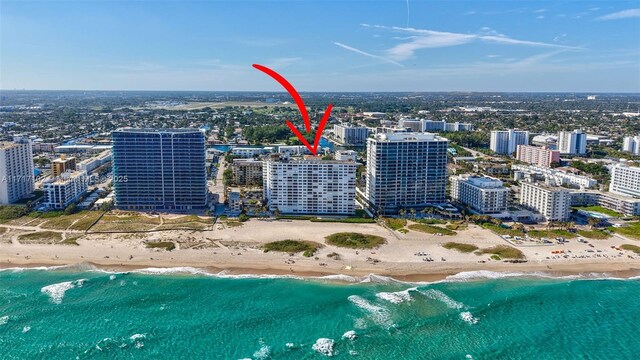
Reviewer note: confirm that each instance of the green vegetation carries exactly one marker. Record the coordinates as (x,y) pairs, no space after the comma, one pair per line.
(430,221)
(634,248)
(632,230)
(354,220)
(552,234)
(457,226)
(188,222)
(233,223)
(167,245)
(465,248)
(599,209)
(308,248)
(502,230)
(503,252)
(10,212)
(40,237)
(243,218)
(431,229)
(355,240)
(597,170)
(395,223)
(593,234)
(71,241)
(125,222)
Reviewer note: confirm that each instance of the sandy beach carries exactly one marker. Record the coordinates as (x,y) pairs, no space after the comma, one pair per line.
(237,250)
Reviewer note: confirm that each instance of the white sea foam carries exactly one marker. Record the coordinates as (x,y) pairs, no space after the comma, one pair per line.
(263,353)
(4,320)
(137,336)
(468,317)
(379,279)
(289,345)
(341,278)
(396,297)
(172,270)
(350,335)
(379,314)
(353,352)
(324,346)
(56,291)
(359,323)
(26,329)
(442,297)
(112,277)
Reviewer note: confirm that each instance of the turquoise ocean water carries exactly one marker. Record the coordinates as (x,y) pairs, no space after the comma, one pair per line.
(80,313)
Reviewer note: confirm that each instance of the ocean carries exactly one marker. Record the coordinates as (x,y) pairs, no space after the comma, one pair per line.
(183,313)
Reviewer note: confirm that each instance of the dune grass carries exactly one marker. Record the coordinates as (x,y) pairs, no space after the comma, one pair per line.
(501,230)
(395,223)
(593,234)
(40,237)
(464,248)
(634,248)
(503,252)
(355,240)
(552,234)
(308,248)
(431,229)
(167,245)
(632,230)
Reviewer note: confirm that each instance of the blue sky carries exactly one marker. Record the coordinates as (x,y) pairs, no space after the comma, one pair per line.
(585,46)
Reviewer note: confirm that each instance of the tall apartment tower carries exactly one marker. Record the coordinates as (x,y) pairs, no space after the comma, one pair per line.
(62,164)
(553,203)
(631,144)
(159,169)
(572,142)
(625,180)
(405,170)
(541,156)
(16,171)
(350,135)
(506,141)
(484,195)
(310,186)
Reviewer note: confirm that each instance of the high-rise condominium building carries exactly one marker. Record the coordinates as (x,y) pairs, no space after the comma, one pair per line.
(310,186)
(482,194)
(405,170)
(506,141)
(350,135)
(625,180)
(62,164)
(631,144)
(247,172)
(553,203)
(541,156)
(62,190)
(16,171)
(159,169)
(572,142)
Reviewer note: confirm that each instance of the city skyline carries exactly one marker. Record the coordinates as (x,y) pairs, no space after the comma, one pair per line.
(523,46)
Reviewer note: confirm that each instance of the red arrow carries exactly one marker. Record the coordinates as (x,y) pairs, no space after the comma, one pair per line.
(303,110)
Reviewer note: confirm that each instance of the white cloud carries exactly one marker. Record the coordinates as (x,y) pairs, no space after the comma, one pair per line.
(282,62)
(540,17)
(347,47)
(624,14)
(424,39)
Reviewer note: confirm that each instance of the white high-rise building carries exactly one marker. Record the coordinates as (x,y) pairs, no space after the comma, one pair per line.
(506,141)
(310,186)
(405,170)
(16,171)
(631,144)
(572,142)
(65,189)
(625,180)
(350,135)
(553,203)
(483,194)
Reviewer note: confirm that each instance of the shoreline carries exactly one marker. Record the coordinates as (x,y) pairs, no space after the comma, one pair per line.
(470,274)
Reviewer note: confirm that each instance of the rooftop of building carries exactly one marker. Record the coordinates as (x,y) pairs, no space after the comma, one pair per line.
(483,181)
(545,186)
(159,130)
(408,137)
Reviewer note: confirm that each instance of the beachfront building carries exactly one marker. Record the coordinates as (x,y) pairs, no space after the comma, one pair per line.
(16,171)
(310,186)
(345,155)
(572,142)
(631,144)
(62,164)
(247,172)
(541,156)
(553,203)
(625,180)
(350,135)
(405,170)
(482,194)
(65,189)
(506,141)
(556,177)
(159,169)
(235,202)
(626,205)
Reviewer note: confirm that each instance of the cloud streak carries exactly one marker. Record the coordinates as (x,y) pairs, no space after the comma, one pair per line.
(358,51)
(624,14)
